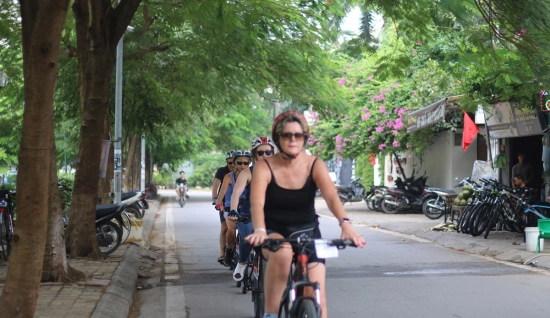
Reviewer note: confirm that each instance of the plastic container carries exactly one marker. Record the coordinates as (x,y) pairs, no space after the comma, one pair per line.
(531,235)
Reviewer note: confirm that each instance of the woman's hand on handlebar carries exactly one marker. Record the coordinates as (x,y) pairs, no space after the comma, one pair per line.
(257,237)
(349,233)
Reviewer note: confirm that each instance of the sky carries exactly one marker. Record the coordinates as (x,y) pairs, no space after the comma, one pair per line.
(352,22)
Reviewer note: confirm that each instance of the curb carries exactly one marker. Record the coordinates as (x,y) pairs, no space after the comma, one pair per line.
(119,295)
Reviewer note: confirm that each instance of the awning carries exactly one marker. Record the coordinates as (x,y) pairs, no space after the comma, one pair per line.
(426,116)
(506,120)
(429,115)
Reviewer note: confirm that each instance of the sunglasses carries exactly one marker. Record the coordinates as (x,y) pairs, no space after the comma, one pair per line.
(230,163)
(266,152)
(240,163)
(288,136)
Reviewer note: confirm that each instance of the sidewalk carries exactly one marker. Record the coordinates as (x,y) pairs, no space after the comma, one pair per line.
(503,246)
(109,289)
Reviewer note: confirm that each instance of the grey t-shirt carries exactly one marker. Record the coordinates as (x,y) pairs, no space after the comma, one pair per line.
(524,169)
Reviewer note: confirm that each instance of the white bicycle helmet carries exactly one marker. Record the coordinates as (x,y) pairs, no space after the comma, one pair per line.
(242,153)
(229,154)
(262,140)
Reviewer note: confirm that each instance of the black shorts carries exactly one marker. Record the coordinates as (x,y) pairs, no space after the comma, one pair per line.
(311,229)
(222,217)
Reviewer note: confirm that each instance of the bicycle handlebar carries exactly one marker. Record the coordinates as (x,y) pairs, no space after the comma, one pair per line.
(340,244)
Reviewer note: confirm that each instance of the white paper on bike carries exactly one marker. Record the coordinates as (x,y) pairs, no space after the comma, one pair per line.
(324,250)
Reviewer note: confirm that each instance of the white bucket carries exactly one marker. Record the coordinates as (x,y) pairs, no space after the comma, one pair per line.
(531,235)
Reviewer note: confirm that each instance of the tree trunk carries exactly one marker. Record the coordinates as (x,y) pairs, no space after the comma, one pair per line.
(99,27)
(55,267)
(42,23)
(128,176)
(148,167)
(105,183)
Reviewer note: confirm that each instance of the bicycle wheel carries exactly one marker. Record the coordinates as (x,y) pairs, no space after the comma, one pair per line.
(495,212)
(108,236)
(307,309)
(4,238)
(258,288)
(478,223)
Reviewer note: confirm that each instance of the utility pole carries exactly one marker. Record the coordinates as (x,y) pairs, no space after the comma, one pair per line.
(142,162)
(118,123)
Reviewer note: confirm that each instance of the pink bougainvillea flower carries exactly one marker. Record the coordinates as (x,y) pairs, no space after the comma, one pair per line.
(498,105)
(414,53)
(414,93)
(401,112)
(382,110)
(395,143)
(370,77)
(342,81)
(381,146)
(379,129)
(396,85)
(418,42)
(398,124)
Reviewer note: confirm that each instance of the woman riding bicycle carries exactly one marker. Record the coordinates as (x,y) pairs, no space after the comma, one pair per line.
(261,148)
(282,203)
(242,159)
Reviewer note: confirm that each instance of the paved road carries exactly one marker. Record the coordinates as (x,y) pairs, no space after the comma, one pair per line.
(393,276)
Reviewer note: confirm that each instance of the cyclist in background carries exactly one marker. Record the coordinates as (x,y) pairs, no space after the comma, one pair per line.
(282,203)
(181,181)
(216,186)
(261,148)
(242,160)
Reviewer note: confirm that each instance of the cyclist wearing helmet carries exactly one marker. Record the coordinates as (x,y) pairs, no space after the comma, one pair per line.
(282,203)
(242,160)
(220,174)
(261,148)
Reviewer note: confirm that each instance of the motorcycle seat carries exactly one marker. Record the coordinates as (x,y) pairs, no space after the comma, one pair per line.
(441,191)
(127,195)
(102,210)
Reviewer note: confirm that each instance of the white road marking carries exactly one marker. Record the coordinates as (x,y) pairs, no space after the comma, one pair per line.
(175,302)
(175,299)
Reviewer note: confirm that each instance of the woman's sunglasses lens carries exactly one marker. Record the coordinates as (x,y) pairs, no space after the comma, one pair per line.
(266,152)
(288,136)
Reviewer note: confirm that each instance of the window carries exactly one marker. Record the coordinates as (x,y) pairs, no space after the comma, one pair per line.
(458,139)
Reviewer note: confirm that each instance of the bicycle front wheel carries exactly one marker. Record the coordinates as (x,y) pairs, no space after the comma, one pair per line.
(307,309)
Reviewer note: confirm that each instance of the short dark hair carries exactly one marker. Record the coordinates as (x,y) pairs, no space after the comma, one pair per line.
(519,176)
(182,171)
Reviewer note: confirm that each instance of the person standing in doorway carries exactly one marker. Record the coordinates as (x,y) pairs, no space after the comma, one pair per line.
(523,169)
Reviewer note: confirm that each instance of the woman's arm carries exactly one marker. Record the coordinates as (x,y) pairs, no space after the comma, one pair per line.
(243,179)
(261,177)
(324,183)
(225,185)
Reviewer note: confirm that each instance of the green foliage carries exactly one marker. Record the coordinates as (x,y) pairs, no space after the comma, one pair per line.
(206,166)
(67,181)
(164,178)
(365,170)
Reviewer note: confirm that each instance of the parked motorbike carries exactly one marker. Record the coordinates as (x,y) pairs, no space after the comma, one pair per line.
(375,196)
(136,203)
(355,192)
(108,233)
(151,189)
(434,202)
(409,194)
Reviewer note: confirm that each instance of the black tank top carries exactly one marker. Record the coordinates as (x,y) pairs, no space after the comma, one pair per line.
(290,207)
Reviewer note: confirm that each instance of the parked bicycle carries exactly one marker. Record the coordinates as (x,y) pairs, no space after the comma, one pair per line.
(302,298)
(7,221)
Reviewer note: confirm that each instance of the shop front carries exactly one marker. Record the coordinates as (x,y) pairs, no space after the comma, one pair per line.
(518,130)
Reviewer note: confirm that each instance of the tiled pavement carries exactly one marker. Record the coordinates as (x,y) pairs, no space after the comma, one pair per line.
(57,300)
(107,292)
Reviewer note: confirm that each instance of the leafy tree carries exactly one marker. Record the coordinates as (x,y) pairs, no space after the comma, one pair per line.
(41,25)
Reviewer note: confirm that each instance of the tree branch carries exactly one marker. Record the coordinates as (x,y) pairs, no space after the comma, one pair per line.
(122,15)
(136,55)
(148,20)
